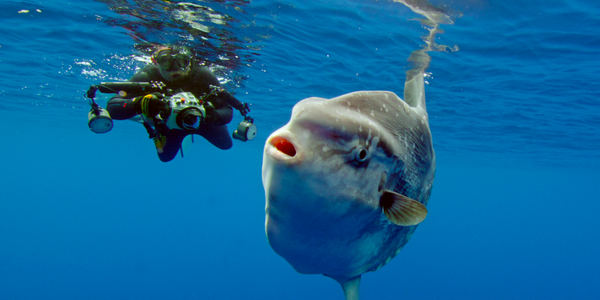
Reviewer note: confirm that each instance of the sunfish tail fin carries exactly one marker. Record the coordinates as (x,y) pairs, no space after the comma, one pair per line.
(350,286)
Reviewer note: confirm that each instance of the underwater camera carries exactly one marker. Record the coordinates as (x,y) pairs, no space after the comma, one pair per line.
(187,112)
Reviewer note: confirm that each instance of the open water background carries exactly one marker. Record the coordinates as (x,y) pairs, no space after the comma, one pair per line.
(514,114)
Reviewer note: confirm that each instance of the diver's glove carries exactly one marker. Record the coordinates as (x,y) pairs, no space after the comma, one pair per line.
(245,109)
(151,105)
(210,113)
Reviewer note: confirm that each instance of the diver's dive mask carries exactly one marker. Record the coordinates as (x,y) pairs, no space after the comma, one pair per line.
(173,59)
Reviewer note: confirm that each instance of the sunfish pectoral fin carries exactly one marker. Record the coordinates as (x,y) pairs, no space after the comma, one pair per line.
(402,210)
(350,286)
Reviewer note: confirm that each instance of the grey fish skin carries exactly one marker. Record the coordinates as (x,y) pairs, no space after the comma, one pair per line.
(325,172)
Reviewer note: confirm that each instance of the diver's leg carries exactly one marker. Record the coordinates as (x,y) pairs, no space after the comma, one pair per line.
(216,135)
(172,144)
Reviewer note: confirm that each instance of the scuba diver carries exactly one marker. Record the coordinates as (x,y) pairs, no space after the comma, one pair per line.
(194,103)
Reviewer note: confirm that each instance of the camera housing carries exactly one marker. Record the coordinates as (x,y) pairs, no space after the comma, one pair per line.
(187,112)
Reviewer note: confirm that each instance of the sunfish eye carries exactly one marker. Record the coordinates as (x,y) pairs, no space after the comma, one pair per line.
(360,154)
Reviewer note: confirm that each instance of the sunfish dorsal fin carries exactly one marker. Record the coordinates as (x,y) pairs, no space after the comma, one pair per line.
(414,89)
(402,210)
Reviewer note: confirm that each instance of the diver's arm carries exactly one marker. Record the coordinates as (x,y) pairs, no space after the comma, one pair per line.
(218,116)
(121,108)
(208,79)
(225,115)
(231,100)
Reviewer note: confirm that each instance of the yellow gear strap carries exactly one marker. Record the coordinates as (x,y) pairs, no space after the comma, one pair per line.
(146,105)
(160,141)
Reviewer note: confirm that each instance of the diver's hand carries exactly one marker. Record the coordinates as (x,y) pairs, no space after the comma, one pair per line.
(151,105)
(245,109)
(210,113)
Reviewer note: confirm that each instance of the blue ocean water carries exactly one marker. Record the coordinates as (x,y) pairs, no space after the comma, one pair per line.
(513,111)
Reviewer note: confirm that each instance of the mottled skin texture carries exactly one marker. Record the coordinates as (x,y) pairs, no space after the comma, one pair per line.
(322,204)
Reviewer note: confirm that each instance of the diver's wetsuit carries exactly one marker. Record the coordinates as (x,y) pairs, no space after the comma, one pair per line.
(198,82)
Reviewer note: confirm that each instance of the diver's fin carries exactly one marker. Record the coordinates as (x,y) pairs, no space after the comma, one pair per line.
(350,286)
(186,144)
(402,210)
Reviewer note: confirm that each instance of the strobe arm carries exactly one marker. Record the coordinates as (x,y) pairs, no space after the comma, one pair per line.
(131,87)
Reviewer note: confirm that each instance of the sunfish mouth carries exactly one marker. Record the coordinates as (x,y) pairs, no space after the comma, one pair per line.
(283,148)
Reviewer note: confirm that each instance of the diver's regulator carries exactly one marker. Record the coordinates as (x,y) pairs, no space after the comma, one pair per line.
(186,113)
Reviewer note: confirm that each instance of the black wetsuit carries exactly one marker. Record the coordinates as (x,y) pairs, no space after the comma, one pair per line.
(198,82)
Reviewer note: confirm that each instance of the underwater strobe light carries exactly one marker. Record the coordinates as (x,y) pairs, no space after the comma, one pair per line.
(246,131)
(99,120)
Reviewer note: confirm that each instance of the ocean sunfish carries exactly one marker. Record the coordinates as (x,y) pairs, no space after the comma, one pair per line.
(346,181)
